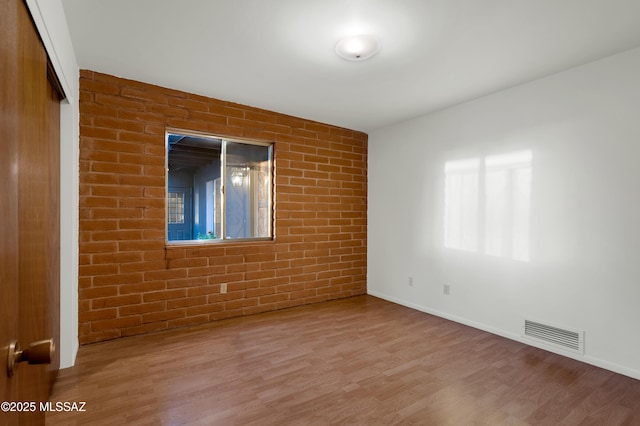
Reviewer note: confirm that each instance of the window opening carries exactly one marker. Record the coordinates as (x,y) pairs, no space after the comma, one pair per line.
(226,188)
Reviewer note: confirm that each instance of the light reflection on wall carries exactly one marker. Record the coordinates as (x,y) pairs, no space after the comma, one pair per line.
(487,205)
(461,204)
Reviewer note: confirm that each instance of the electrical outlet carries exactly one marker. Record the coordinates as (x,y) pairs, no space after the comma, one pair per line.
(223,288)
(446,289)
(410,281)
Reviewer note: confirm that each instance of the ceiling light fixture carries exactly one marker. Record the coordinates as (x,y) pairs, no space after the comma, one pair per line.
(357,48)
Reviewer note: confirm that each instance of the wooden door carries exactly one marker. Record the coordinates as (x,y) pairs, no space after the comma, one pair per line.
(29,209)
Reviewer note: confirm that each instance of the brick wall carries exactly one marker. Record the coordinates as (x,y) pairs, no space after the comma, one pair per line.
(132,282)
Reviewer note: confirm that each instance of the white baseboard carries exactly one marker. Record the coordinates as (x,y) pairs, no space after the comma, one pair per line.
(68,358)
(616,368)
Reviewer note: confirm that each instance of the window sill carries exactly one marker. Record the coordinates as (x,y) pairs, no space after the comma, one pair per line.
(183,243)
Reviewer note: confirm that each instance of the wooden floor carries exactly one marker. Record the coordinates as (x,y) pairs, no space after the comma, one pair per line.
(358,361)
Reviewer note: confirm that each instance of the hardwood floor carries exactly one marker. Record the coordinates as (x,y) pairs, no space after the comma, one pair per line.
(353,361)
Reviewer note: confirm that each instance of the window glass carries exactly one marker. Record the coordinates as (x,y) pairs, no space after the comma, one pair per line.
(176,207)
(247,190)
(218,189)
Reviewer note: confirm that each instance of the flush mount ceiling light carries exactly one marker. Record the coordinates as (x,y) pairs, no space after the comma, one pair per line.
(357,48)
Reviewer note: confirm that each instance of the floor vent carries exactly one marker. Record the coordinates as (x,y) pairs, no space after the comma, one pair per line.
(567,339)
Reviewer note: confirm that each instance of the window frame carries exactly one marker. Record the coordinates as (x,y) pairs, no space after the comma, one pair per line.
(223,193)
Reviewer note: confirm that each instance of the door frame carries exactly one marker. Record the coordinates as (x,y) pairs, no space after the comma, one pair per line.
(50,22)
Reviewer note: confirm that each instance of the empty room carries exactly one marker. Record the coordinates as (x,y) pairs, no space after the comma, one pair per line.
(304,212)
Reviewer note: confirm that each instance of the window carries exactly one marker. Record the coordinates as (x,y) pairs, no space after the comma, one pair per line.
(218,188)
(175,207)
(487,205)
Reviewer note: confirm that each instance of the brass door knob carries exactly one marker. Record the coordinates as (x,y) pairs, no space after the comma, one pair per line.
(40,352)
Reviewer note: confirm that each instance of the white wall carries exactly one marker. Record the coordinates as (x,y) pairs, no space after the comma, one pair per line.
(583,129)
(51,22)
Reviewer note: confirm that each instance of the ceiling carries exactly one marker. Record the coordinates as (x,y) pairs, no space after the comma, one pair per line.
(187,154)
(279,54)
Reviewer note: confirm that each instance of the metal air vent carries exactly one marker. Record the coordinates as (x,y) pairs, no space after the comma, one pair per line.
(561,337)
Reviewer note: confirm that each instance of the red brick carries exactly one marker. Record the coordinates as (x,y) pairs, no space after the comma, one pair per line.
(102,314)
(117,279)
(145,328)
(165,295)
(163,316)
(186,302)
(136,283)
(141,287)
(111,302)
(142,308)
(116,323)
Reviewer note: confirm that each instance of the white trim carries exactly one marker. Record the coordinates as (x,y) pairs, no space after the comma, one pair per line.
(51,23)
(45,34)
